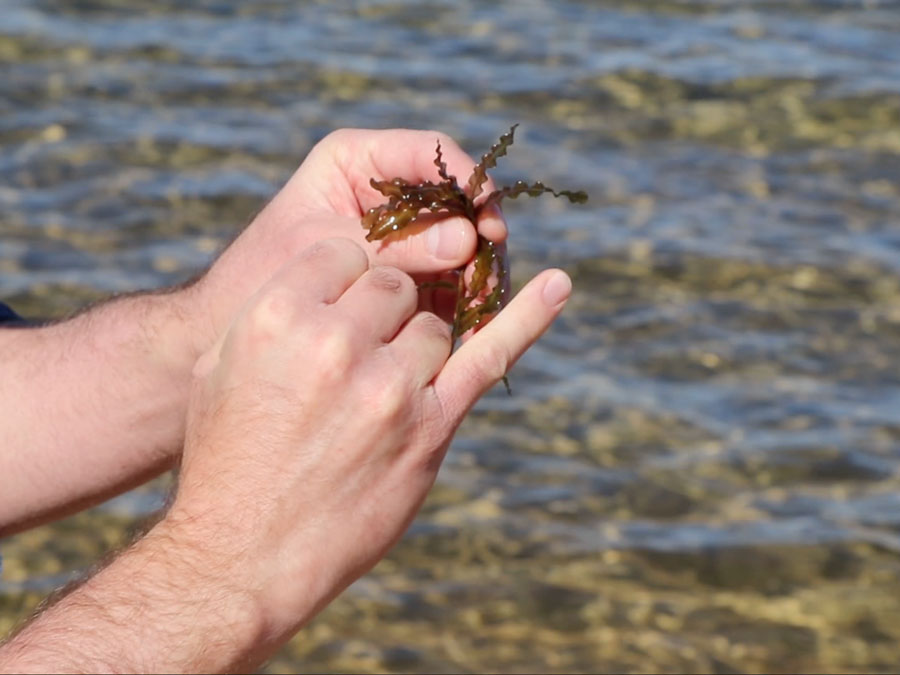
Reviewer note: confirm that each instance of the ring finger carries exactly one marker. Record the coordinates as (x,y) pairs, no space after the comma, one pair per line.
(425,344)
(380,301)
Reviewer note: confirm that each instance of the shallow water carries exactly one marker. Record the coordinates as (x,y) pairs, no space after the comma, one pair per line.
(698,469)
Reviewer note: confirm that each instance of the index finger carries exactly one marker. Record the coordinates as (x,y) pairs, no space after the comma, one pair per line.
(410,154)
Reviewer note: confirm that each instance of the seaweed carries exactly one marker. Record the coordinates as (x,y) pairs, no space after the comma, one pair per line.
(468,314)
(536,189)
(407,201)
(489,161)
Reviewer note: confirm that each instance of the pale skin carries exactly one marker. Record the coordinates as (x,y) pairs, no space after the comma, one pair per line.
(312,397)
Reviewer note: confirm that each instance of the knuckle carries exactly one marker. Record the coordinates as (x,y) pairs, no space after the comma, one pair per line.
(392,397)
(342,135)
(270,314)
(335,353)
(494,361)
(336,138)
(392,280)
(433,328)
(341,146)
(321,250)
(330,249)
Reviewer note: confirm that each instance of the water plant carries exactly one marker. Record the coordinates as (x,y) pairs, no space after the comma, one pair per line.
(407,201)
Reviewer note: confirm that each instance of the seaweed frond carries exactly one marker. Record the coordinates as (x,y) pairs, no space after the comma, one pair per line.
(489,161)
(470,313)
(475,304)
(407,200)
(536,189)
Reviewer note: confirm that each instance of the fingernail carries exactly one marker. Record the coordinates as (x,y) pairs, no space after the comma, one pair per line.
(492,225)
(557,289)
(444,240)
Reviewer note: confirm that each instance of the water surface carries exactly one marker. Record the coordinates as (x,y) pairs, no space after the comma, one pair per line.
(698,469)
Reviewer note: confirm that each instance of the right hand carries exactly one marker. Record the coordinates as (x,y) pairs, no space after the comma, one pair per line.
(317,424)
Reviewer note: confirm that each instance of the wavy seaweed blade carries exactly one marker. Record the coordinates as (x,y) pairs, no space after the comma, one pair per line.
(489,161)
(469,316)
(407,200)
(394,189)
(534,190)
(442,167)
(381,221)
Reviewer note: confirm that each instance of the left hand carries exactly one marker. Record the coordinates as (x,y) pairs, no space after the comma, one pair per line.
(325,198)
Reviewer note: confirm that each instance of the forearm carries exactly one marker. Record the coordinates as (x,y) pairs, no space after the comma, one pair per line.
(161,606)
(91,406)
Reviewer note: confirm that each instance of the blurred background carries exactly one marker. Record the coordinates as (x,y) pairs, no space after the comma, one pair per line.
(698,468)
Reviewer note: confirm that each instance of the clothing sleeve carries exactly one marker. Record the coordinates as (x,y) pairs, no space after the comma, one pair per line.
(7,316)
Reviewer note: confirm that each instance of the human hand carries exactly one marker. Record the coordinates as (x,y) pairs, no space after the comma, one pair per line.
(326,197)
(317,425)
(157,337)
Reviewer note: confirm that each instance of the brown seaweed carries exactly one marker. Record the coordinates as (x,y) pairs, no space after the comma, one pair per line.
(475,304)
(468,314)
(536,189)
(489,161)
(407,200)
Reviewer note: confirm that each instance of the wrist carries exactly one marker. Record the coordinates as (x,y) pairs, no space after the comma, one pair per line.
(161,606)
(282,592)
(182,328)
(207,592)
(160,328)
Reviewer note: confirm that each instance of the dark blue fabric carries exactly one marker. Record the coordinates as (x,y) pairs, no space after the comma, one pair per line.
(7,315)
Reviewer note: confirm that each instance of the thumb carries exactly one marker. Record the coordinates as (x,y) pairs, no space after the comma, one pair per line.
(428,246)
(486,357)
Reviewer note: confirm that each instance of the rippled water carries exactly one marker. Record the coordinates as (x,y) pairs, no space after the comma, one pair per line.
(699,466)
